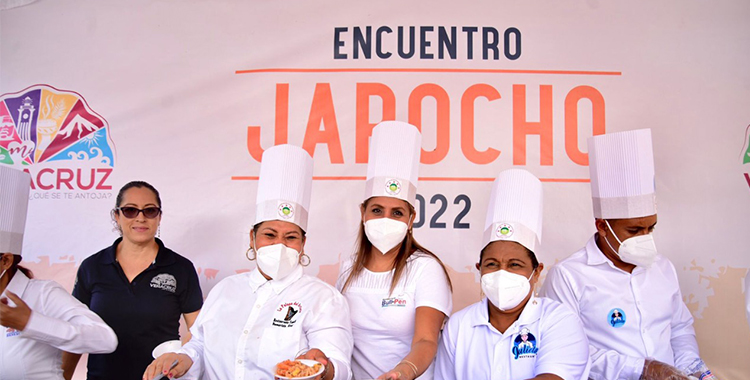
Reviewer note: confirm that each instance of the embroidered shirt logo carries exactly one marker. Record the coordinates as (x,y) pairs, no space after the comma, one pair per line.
(164,281)
(286,314)
(616,318)
(524,346)
(11,332)
(393,302)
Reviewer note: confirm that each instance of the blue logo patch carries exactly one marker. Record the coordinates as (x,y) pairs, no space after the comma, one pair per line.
(616,318)
(393,302)
(524,346)
(11,332)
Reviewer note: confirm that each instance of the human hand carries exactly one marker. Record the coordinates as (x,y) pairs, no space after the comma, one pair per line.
(320,357)
(14,317)
(163,365)
(392,375)
(656,370)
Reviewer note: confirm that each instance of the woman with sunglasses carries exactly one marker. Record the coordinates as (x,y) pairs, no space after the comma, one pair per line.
(251,321)
(138,286)
(398,291)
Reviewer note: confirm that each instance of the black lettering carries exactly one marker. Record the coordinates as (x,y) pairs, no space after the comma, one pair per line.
(424,42)
(401,51)
(490,44)
(469,30)
(446,43)
(517,35)
(337,43)
(379,42)
(362,42)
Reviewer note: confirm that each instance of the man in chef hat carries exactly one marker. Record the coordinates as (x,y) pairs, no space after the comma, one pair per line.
(620,269)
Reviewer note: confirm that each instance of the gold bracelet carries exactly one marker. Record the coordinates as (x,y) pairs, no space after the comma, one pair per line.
(413,367)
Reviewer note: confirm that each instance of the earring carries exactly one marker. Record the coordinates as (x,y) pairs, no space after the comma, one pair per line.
(158,231)
(304,259)
(247,253)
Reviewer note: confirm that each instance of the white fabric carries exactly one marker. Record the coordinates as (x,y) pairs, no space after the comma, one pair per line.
(393,164)
(515,209)
(471,348)
(284,185)
(747,295)
(241,331)
(383,323)
(657,324)
(621,166)
(14,201)
(59,322)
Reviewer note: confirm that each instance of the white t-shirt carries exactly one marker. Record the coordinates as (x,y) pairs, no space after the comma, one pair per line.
(546,338)
(627,316)
(58,322)
(383,323)
(249,324)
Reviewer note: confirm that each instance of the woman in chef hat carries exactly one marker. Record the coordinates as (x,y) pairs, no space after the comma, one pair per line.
(398,291)
(254,320)
(511,334)
(40,319)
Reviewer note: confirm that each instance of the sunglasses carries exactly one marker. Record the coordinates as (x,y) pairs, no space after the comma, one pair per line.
(131,212)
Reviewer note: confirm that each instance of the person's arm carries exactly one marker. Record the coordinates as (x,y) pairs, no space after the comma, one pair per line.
(329,336)
(69,364)
(427,324)
(564,352)
(189,320)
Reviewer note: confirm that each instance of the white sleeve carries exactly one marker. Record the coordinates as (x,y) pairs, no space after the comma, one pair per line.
(683,340)
(433,289)
(445,361)
(194,347)
(330,331)
(565,352)
(67,324)
(605,364)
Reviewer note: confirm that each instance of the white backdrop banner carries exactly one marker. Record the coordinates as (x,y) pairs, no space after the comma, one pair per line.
(187,94)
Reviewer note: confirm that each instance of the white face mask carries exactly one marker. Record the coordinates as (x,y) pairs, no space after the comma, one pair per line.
(385,233)
(504,289)
(637,250)
(277,261)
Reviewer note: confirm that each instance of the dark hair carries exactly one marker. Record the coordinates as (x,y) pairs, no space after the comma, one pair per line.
(532,256)
(14,267)
(408,246)
(257,227)
(140,185)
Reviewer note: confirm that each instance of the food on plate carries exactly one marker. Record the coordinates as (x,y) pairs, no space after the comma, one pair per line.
(295,368)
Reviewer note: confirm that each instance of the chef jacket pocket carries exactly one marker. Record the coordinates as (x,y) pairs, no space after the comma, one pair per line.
(278,344)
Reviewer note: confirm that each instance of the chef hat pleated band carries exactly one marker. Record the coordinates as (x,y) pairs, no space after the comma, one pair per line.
(14,202)
(393,165)
(515,209)
(622,175)
(284,185)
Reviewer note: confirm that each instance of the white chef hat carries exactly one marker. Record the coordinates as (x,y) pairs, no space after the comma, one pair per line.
(515,210)
(393,165)
(14,201)
(284,185)
(622,175)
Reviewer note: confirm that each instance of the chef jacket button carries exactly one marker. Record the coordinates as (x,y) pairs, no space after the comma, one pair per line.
(239,361)
(244,332)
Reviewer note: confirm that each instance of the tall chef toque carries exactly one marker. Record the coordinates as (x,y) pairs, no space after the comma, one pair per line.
(515,209)
(14,201)
(393,165)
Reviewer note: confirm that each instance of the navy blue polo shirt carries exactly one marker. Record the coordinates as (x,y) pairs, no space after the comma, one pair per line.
(143,313)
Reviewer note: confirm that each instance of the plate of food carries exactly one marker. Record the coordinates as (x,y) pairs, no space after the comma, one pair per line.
(300,369)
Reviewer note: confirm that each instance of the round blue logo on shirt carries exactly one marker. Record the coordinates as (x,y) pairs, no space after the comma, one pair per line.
(616,318)
(524,345)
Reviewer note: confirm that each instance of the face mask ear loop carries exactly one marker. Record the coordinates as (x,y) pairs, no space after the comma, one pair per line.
(613,233)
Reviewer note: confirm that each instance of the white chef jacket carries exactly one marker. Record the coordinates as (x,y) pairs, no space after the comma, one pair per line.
(58,322)
(471,348)
(383,323)
(627,317)
(249,324)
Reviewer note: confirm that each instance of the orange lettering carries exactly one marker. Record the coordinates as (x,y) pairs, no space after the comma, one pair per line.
(571,120)
(467,123)
(522,128)
(443,127)
(363,125)
(323,113)
(281,127)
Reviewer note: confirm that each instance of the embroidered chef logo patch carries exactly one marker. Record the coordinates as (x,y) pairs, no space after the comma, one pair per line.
(393,302)
(286,210)
(616,318)
(524,346)
(164,281)
(286,314)
(11,332)
(504,231)
(393,187)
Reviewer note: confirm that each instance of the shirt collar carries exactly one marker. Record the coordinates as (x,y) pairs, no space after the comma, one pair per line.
(595,256)
(17,284)
(530,314)
(257,280)
(164,255)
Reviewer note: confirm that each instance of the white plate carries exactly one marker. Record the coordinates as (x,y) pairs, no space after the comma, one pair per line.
(168,346)
(306,362)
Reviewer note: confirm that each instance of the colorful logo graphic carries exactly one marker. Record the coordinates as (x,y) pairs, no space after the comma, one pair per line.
(286,314)
(286,210)
(746,153)
(524,346)
(393,302)
(393,187)
(616,318)
(55,129)
(504,231)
